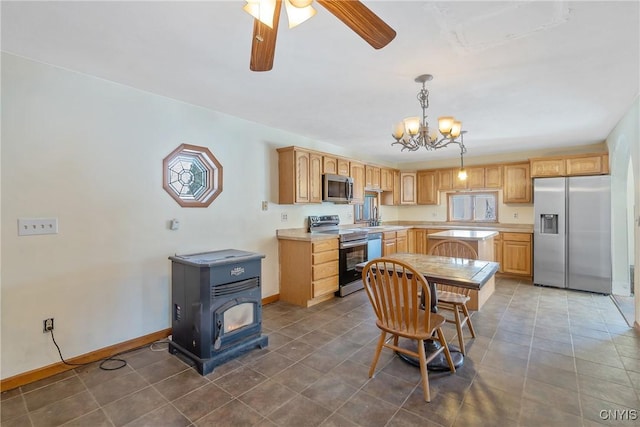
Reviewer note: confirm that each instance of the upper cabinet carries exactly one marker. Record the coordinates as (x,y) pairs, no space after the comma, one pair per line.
(427,188)
(372,177)
(343,167)
(329,165)
(386,179)
(300,176)
(584,164)
(478,178)
(517,183)
(408,188)
(445,179)
(357,172)
(493,176)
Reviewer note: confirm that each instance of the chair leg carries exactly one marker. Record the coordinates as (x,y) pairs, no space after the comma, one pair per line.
(469,324)
(456,311)
(447,354)
(423,371)
(383,336)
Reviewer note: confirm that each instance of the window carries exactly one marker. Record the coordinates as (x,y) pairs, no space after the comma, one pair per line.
(192,176)
(473,207)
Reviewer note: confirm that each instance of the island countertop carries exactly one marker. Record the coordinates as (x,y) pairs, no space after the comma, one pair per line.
(464,234)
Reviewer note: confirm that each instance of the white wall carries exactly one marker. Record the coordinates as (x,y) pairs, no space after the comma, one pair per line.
(89,152)
(624,143)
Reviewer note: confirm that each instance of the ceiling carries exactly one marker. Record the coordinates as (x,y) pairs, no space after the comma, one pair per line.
(520,75)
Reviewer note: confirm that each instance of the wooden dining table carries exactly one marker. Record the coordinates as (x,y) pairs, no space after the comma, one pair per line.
(476,275)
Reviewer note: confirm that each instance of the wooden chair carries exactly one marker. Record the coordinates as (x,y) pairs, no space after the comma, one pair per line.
(394,289)
(453,298)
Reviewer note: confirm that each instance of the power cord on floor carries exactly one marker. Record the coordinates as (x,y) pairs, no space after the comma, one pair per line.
(121,363)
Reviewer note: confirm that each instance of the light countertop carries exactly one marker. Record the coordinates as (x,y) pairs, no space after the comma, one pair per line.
(464,234)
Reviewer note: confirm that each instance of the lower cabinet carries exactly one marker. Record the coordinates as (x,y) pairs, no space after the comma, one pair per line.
(516,254)
(394,241)
(308,271)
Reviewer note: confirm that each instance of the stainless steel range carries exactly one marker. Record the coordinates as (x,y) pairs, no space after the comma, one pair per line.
(353,250)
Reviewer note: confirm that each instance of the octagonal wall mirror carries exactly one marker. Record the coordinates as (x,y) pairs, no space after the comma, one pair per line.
(192,176)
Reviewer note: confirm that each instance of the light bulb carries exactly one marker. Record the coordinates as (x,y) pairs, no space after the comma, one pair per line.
(462,174)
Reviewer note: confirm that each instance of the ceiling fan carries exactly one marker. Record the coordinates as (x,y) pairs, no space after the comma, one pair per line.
(352,13)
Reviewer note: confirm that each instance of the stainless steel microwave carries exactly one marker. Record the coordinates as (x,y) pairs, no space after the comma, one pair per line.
(337,188)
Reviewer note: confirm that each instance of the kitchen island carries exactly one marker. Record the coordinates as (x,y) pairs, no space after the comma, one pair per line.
(480,240)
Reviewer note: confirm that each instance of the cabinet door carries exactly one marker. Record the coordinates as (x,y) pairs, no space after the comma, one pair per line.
(408,188)
(401,244)
(591,165)
(330,165)
(493,176)
(357,173)
(517,183)
(475,178)
(303,167)
(315,178)
(343,167)
(547,167)
(445,179)
(386,179)
(457,183)
(516,257)
(389,247)
(372,176)
(427,188)
(397,188)
(417,241)
(497,251)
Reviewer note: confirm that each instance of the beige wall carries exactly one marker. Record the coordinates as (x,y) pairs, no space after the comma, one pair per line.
(89,152)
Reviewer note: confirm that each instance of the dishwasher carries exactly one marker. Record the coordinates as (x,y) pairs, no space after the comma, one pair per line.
(374,246)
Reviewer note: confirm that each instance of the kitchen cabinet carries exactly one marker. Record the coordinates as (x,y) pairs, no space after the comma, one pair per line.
(417,241)
(517,183)
(308,271)
(497,251)
(475,179)
(583,164)
(588,165)
(372,177)
(427,188)
(386,179)
(392,198)
(445,179)
(343,167)
(547,167)
(394,241)
(402,241)
(493,176)
(408,188)
(300,176)
(329,165)
(516,254)
(357,172)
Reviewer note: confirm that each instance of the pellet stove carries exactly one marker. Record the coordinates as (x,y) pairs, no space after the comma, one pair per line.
(216,306)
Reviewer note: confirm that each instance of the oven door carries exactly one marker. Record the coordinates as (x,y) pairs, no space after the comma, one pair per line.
(351,254)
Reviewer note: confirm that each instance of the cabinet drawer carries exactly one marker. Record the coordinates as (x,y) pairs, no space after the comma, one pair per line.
(324,245)
(322,257)
(401,234)
(325,286)
(324,270)
(388,235)
(516,237)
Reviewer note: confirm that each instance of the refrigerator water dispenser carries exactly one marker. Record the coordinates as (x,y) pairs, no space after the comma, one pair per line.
(549,224)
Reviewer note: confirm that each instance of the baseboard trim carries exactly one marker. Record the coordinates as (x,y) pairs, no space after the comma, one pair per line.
(50,370)
(270,299)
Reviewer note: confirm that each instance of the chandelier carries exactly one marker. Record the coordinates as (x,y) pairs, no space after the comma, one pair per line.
(412,133)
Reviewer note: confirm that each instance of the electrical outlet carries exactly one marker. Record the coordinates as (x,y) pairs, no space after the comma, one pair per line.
(33,226)
(47,325)
(283,217)
(515,215)
(265,205)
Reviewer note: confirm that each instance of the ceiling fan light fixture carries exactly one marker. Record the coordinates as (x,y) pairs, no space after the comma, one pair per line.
(298,14)
(262,10)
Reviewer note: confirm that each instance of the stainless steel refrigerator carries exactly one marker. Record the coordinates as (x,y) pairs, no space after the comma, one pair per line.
(572,233)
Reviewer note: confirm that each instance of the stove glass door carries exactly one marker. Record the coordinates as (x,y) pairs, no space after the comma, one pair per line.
(350,255)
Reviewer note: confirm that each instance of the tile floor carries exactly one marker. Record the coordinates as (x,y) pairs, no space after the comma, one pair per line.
(543,357)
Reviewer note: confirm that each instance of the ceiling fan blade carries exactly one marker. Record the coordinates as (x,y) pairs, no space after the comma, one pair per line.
(263,46)
(362,20)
